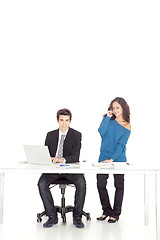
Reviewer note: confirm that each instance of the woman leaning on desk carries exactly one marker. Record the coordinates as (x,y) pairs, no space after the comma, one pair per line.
(114,130)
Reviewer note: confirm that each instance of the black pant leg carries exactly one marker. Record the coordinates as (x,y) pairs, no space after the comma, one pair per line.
(103,193)
(43,184)
(79,181)
(118,199)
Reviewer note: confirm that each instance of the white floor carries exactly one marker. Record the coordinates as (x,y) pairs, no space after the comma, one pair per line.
(22,203)
(27,228)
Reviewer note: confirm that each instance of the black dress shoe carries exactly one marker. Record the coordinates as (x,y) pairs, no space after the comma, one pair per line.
(101,218)
(50,222)
(78,223)
(112,220)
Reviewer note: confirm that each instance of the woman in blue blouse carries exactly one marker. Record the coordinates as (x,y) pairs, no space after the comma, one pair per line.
(114,130)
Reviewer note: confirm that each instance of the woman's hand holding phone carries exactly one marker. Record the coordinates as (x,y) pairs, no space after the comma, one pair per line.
(110,113)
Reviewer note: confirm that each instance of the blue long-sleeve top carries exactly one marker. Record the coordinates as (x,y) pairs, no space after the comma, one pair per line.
(114,139)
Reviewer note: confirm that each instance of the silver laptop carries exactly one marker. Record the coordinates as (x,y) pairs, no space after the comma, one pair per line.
(37,154)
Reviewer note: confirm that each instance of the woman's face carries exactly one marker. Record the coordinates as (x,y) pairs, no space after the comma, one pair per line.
(117,109)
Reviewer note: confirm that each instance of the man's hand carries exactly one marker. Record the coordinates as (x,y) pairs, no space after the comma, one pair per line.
(57,160)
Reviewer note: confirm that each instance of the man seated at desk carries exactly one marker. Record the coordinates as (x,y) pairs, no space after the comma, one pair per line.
(64,145)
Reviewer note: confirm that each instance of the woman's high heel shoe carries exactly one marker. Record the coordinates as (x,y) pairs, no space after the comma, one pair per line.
(112,220)
(101,218)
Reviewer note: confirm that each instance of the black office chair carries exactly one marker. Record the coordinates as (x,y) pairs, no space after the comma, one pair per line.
(63,183)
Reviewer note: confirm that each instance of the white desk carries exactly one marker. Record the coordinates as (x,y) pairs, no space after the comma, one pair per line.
(85,168)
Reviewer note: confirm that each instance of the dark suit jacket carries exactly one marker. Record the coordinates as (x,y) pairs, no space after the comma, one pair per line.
(71,147)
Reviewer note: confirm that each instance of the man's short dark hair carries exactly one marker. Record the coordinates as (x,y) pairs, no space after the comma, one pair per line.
(65,112)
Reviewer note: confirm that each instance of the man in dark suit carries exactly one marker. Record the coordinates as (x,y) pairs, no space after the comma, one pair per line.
(64,145)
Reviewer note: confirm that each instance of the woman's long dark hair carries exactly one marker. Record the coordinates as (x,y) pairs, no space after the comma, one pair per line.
(125,107)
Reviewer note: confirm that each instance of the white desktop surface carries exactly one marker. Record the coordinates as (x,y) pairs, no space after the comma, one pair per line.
(85,168)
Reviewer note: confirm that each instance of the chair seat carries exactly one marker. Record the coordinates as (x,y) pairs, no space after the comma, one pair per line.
(63,181)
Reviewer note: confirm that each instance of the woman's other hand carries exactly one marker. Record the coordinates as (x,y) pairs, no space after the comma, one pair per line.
(107,161)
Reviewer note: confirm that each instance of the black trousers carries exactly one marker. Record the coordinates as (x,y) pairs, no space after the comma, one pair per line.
(104,197)
(77,179)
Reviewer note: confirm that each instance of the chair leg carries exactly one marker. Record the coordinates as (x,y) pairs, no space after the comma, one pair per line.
(69,208)
(62,211)
(40,215)
(63,215)
(87,215)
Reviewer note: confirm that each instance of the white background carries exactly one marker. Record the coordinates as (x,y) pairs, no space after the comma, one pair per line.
(79,55)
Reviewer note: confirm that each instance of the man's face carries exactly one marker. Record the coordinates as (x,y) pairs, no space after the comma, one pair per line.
(64,122)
